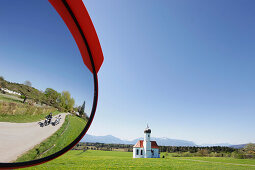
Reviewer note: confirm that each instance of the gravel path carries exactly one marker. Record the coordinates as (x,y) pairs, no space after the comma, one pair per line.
(18,138)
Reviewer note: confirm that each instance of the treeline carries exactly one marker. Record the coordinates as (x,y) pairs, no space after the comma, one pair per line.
(247,152)
(169,149)
(62,101)
(102,146)
(177,151)
(193,149)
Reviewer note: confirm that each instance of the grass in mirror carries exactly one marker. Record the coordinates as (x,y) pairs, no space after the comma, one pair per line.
(71,128)
(23,103)
(46,91)
(44,122)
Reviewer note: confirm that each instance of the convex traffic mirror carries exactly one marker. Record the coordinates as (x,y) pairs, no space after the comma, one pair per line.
(49,59)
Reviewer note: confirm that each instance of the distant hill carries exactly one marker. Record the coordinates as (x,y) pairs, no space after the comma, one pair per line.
(102,139)
(238,146)
(111,139)
(217,144)
(169,142)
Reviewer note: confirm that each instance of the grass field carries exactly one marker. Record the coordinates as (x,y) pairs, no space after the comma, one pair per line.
(13,110)
(94,159)
(71,128)
(25,118)
(9,98)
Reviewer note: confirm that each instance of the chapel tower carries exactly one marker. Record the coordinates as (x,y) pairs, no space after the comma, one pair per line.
(147,142)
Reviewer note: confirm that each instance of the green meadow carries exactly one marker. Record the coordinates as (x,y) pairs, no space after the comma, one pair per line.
(9,98)
(95,159)
(26,118)
(13,110)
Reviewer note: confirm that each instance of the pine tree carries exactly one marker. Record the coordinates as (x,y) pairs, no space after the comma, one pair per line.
(82,110)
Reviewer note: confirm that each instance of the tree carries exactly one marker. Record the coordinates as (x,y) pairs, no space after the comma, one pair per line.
(66,101)
(82,109)
(28,83)
(203,152)
(25,91)
(71,103)
(75,109)
(51,97)
(84,148)
(2,82)
(78,109)
(250,148)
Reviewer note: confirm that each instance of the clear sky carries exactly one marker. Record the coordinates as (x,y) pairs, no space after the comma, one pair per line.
(185,67)
(36,45)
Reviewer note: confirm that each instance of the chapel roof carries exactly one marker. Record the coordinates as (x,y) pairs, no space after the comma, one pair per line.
(139,144)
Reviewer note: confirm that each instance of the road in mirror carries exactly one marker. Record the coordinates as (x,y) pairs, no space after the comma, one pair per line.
(46,91)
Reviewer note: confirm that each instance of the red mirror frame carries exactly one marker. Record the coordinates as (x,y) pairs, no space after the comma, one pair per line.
(78,21)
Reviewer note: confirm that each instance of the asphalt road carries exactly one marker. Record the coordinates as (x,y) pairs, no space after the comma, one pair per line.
(18,138)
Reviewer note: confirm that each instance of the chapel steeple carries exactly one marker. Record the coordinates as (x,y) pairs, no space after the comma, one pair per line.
(147,129)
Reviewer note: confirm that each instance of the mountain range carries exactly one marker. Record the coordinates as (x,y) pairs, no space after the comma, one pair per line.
(114,140)
(109,139)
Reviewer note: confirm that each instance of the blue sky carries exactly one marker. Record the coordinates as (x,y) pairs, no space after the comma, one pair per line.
(37,46)
(185,67)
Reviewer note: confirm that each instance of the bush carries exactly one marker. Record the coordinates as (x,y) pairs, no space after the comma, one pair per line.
(186,154)
(237,155)
(249,156)
(213,154)
(176,155)
(8,108)
(203,152)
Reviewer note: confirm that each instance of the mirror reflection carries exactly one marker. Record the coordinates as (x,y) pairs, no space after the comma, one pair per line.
(46,91)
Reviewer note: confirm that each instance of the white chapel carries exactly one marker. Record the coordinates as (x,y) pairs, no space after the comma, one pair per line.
(146,148)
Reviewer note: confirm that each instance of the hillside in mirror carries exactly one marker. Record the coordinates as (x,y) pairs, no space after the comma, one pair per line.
(46,91)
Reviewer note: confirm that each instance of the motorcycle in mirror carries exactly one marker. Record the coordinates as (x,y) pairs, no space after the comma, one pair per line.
(50,55)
